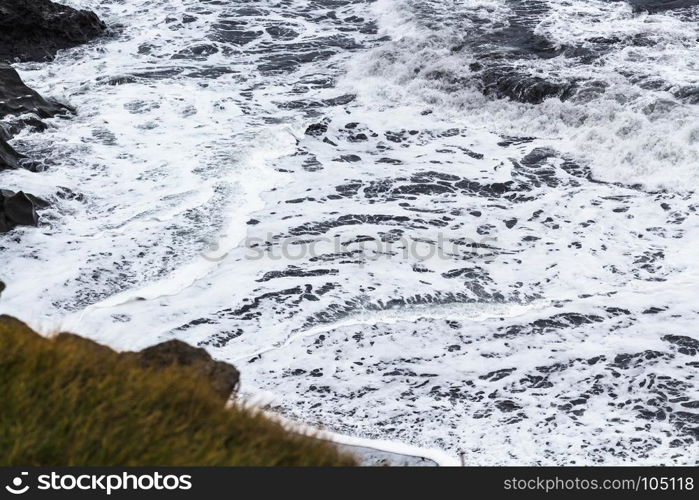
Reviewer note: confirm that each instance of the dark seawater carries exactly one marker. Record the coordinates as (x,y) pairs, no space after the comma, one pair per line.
(464,225)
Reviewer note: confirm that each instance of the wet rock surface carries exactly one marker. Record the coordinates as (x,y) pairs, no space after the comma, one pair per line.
(35,30)
(32,31)
(18,99)
(18,209)
(514,58)
(369,457)
(9,158)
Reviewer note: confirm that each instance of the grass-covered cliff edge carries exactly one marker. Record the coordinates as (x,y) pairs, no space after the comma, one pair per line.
(69,401)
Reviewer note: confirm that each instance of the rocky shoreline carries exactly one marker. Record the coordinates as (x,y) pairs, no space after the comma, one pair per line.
(31,31)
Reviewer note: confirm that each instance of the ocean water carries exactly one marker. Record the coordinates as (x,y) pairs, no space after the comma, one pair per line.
(468,226)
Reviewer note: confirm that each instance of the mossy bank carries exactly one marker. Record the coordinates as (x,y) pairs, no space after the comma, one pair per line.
(69,401)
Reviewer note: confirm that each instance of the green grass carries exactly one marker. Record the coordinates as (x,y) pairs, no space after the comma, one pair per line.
(70,403)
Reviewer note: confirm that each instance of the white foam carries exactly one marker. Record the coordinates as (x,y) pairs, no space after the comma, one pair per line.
(169,165)
(629,134)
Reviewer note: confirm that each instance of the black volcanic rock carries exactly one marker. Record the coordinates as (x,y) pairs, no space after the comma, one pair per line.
(34,30)
(18,99)
(18,209)
(9,158)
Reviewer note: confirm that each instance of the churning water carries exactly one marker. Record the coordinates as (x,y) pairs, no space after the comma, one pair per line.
(468,225)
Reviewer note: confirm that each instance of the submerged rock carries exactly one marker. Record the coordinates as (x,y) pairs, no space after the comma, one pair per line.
(35,30)
(504,82)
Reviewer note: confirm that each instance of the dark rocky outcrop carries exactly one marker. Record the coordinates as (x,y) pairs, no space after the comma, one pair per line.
(34,30)
(18,99)
(9,158)
(224,378)
(18,209)
(31,31)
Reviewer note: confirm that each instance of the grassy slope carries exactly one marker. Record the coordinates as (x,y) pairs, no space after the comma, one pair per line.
(69,403)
